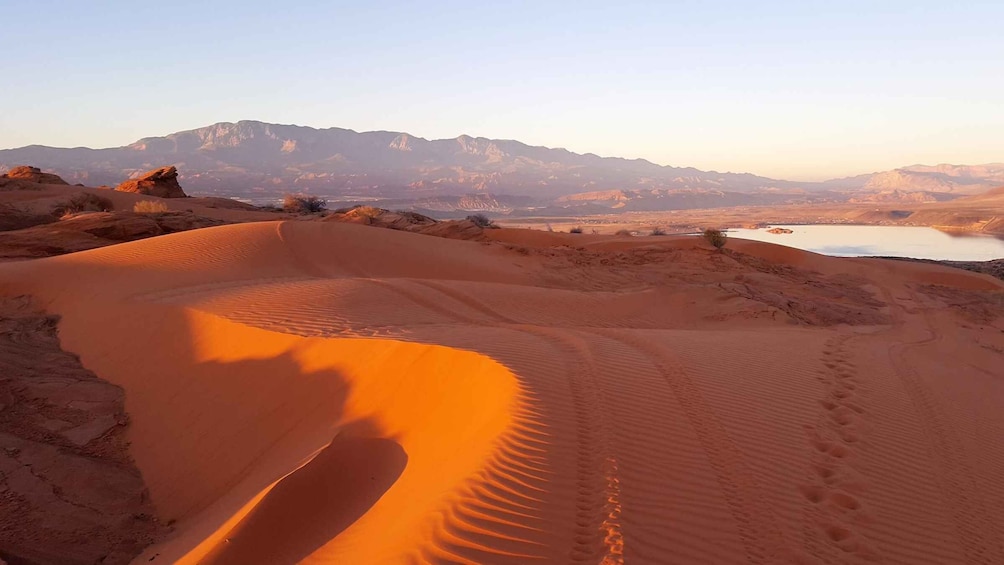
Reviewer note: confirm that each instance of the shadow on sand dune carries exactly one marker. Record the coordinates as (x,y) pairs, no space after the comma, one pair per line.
(219,412)
(314,504)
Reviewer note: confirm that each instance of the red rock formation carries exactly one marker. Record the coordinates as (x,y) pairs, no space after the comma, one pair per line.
(94,229)
(33,174)
(162,183)
(72,494)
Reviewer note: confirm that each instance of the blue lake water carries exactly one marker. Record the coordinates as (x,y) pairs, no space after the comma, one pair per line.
(889,241)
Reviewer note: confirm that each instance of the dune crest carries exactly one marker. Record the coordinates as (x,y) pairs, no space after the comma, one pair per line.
(229,421)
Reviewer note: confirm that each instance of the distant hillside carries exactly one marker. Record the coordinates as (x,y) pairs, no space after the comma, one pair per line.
(249,157)
(995,195)
(943,179)
(677,199)
(262,161)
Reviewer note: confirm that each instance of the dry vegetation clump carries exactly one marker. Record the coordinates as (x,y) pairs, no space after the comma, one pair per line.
(482,221)
(624,232)
(658,231)
(83,202)
(716,238)
(303,204)
(149,207)
(361,211)
(575,230)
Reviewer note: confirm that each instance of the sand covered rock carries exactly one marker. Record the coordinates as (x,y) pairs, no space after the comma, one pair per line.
(35,175)
(373,216)
(454,229)
(162,183)
(406,221)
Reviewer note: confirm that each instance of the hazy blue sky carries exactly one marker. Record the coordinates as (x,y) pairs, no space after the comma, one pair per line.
(793,89)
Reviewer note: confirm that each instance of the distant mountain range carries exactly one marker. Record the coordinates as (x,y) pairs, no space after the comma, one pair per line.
(258,160)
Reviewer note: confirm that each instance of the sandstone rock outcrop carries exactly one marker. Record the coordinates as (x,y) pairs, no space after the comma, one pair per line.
(95,229)
(71,492)
(33,174)
(162,183)
(370,215)
(12,218)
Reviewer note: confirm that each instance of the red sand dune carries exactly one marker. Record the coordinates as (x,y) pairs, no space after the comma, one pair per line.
(333,393)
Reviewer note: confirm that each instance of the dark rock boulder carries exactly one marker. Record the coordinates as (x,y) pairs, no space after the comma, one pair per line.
(12,218)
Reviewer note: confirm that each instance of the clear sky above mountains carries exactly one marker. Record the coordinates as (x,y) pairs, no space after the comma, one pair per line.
(802,90)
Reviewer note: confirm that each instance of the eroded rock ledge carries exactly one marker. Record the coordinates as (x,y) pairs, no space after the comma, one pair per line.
(69,492)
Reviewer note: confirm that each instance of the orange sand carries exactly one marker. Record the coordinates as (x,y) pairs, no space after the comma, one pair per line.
(331,393)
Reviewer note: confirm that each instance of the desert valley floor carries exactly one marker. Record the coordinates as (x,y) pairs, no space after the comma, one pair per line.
(333,393)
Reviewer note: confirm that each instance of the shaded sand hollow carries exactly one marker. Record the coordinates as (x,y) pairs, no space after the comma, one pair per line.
(331,393)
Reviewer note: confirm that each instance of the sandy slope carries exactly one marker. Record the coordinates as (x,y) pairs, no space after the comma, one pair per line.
(333,393)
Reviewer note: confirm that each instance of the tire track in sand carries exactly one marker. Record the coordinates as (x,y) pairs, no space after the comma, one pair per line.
(466,300)
(599,533)
(425,302)
(757,525)
(955,475)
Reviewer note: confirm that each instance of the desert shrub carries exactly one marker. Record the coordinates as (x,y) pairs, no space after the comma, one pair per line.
(303,204)
(575,230)
(482,221)
(625,232)
(715,237)
(83,202)
(149,207)
(658,231)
